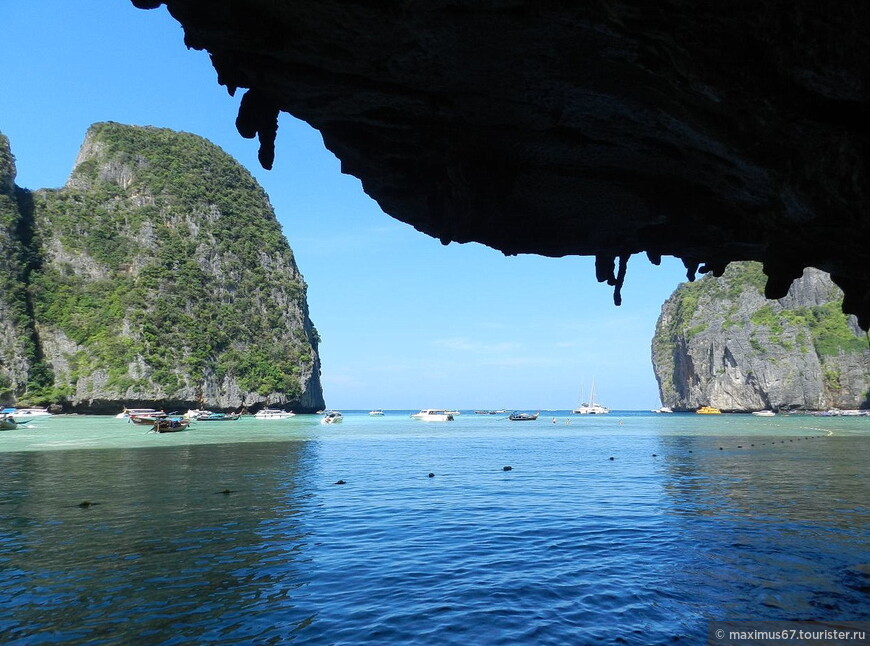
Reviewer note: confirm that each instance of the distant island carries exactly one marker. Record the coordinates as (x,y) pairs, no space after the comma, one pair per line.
(157,276)
(719,342)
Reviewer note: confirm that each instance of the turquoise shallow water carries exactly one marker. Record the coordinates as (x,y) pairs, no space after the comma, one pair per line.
(696,518)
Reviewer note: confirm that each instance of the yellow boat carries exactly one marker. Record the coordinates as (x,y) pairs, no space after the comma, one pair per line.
(708,410)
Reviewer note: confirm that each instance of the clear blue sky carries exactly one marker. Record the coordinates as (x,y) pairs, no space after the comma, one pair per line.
(405,322)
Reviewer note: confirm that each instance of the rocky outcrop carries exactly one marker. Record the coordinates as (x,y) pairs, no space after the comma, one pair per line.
(719,342)
(16,342)
(712,132)
(158,276)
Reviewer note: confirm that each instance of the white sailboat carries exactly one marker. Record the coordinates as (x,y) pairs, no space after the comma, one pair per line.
(590,408)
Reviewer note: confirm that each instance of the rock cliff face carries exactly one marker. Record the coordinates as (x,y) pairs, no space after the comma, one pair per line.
(719,342)
(16,342)
(157,276)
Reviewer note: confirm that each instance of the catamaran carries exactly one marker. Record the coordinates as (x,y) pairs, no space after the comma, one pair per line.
(591,408)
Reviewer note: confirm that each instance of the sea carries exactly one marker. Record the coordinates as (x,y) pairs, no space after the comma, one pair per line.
(626,528)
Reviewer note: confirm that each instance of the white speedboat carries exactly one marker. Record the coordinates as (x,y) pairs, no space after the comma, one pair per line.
(376,412)
(273,414)
(663,409)
(128,412)
(331,417)
(433,415)
(763,413)
(21,414)
(194,413)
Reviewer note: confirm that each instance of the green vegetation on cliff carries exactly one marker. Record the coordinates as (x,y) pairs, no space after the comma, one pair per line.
(162,267)
(18,347)
(826,324)
(7,164)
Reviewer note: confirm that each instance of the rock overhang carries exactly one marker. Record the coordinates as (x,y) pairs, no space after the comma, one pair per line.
(711,132)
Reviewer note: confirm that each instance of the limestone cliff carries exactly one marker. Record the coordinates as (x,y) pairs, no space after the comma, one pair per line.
(719,342)
(159,276)
(16,342)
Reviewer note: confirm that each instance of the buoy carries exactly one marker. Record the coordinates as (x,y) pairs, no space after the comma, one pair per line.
(507,468)
(431,475)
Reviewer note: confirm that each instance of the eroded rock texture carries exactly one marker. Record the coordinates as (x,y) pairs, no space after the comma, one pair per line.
(719,342)
(708,131)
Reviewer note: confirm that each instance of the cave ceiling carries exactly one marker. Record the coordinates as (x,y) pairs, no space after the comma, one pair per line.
(709,131)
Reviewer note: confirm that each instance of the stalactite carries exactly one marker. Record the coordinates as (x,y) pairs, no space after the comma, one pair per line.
(691,269)
(258,115)
(604,266)
(620,279)
(717,268)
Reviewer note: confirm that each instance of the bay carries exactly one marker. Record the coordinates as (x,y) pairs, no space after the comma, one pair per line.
(236,533)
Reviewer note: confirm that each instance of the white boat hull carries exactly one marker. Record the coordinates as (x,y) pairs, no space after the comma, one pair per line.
(433,415)
(271,414)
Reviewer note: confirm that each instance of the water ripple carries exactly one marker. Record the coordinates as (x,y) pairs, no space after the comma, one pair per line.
(252,543)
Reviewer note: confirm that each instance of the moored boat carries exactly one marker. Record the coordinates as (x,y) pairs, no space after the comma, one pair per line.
(763,413)
(591,408)
(8,423)
(708,410)
(516,416)
(170,425)
(127,412)
(273,414)
(147,419)
(663,409)
(433,415)
(193,413)
(331,417)
(22,414)
(376,412)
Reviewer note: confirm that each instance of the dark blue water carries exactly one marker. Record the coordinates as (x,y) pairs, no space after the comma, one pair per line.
(200,538)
